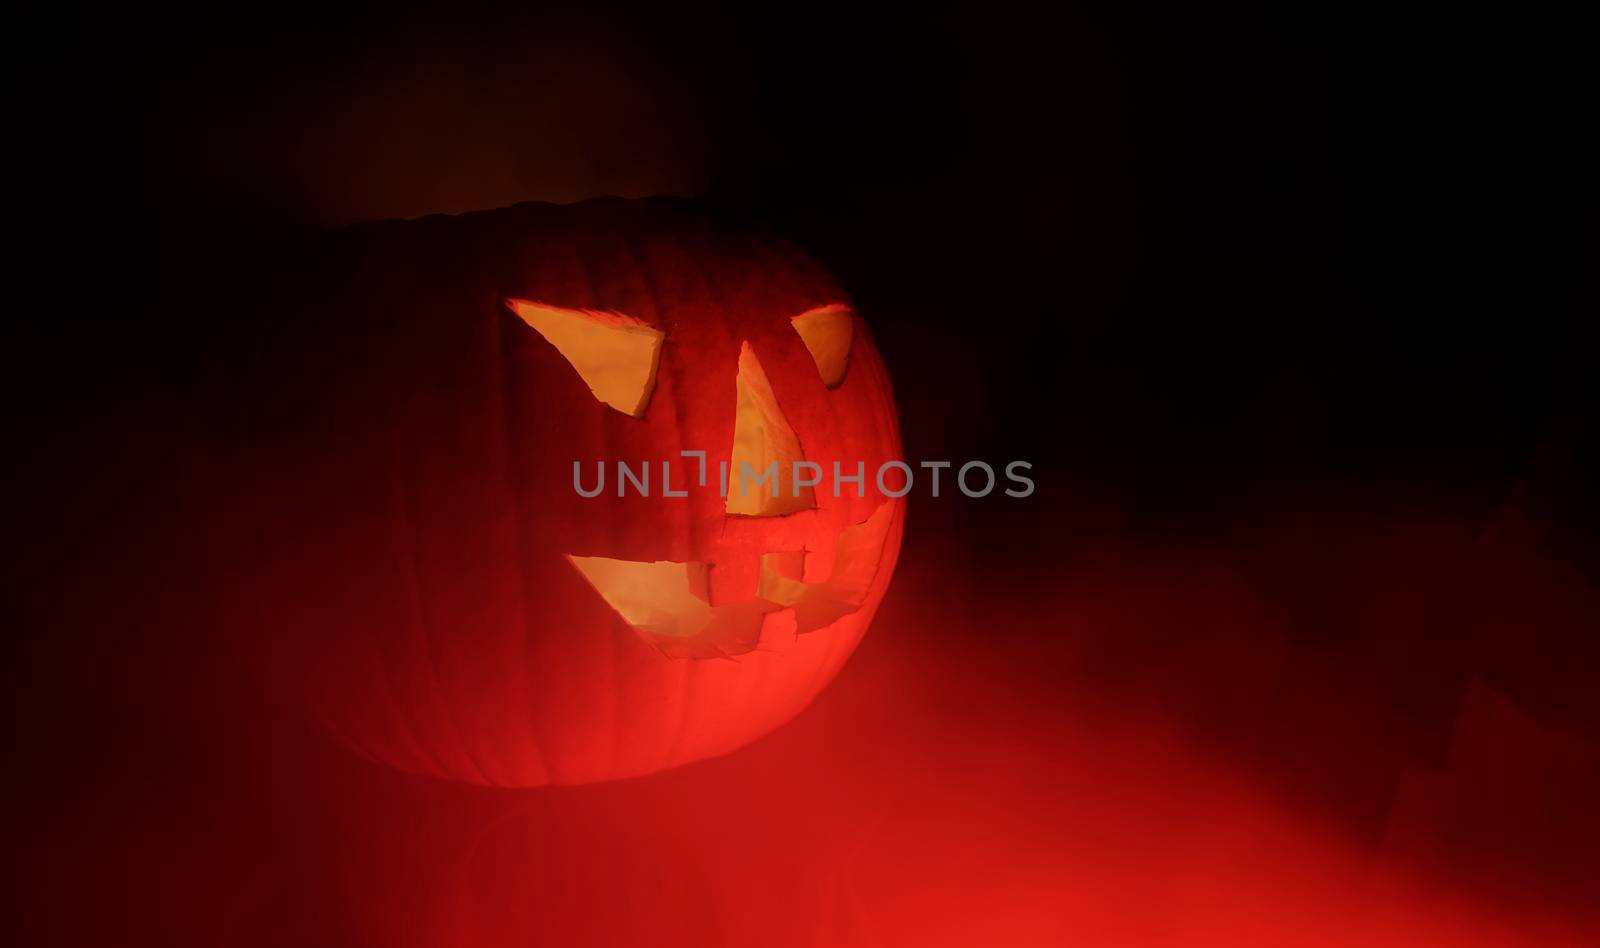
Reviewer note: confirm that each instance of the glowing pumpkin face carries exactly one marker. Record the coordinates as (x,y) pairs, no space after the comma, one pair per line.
(450,603)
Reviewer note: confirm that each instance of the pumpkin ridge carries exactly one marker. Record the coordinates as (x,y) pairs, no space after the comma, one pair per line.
(511,458)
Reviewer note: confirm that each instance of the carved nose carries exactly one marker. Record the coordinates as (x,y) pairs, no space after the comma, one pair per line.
(761,472)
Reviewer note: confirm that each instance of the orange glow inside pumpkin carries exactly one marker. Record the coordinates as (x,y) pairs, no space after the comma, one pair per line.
(670,603)
(827,332)
(615,355)
(859,550)
(761,475)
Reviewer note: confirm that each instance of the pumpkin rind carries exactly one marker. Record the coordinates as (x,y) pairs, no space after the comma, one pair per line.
(411,480)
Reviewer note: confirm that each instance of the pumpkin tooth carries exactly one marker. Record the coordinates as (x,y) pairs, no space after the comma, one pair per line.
(667,603)
(859,550)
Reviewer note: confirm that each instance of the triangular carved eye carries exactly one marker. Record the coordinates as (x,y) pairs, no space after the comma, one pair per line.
(615,355)
(827,332)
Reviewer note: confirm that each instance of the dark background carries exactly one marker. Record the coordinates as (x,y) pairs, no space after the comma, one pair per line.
(1287,324)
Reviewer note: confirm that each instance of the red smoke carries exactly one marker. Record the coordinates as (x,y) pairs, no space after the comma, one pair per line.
(1080,754)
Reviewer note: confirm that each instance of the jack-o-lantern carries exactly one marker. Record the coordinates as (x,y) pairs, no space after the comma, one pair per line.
(427,574)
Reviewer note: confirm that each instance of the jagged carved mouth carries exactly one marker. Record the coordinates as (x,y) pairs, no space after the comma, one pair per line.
(668,603)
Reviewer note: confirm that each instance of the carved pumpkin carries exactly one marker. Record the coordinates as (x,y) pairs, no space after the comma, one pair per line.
(429,581)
